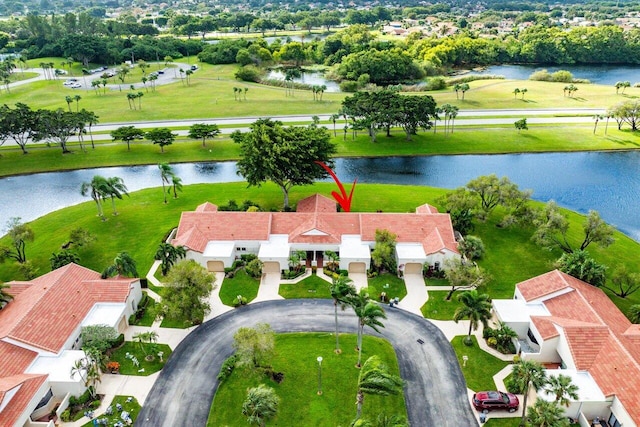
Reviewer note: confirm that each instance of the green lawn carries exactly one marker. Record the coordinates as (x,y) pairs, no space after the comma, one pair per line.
(240,284)
(132,407)
(126,365)
(300,405)
(149,315)
(378,284)
(480,367)
(511,256)
(311,287)
(503,422)
(438,308)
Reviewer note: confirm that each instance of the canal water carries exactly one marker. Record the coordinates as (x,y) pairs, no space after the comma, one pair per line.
(608,182)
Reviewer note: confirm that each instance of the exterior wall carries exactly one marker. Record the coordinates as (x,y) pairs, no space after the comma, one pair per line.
(30,423)
(135,295)
(621,414)
(590,410)
(62,388)
(35,399)
(547,353)
(565,354)
(441,257)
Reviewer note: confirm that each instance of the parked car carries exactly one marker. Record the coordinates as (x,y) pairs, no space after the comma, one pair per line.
(194,67)
(75,86)
(486,401)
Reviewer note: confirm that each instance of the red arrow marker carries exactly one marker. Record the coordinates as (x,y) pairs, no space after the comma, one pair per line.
(342,199)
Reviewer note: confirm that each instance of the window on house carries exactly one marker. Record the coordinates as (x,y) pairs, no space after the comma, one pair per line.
(45,399)
(532,337)
(613,421)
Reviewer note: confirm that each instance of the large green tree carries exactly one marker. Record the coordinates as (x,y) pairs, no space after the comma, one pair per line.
(187,288)
(375,379)
(5,297)
(383,255)
(123,265)
(254,346)
(476,308)
(19,233)
(581,266)
(127,134)
(283,155)
(161,136)
(546,414)
(168,255)
(463,275)
(203,131)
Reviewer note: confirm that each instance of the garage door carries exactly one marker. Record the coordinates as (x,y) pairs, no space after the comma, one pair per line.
(413,268)
(357,267)
(216,266)
(271,267)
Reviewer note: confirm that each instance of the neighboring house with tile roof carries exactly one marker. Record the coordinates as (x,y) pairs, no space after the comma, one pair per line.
(40,336)
(565,321)
(215,239)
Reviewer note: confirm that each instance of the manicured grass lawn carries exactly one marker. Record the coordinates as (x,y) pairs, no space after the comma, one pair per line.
(300,405)
(144,220)
(436,282)
(311,287)
(126,365)
(481,366)
(462,141)
(503,422)
(132,407)
(241,284)
(438,308)
(396,286)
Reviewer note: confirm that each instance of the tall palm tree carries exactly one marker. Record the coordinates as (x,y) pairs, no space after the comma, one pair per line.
(176,184)
(168,255)
(476,307)
(98,189)
(260,405)
(123,265)
(69,100)
(165,173)
(77,98)
(341,289)
(116,188)
(149,337)
(528,374)
(375,378)
(562,389)
(369,314)
(5,297)
(546,414)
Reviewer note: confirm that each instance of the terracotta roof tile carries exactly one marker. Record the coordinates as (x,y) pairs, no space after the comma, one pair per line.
(545,327)
(432,230)
(207,207)
(29,384)
(47,313)
(426,209)
(15,359)
(542,285)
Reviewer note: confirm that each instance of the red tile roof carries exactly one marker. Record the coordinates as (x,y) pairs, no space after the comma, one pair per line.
(545,327)
(316,222)
(601,339)
(29,384)
(15,360)
(46,313)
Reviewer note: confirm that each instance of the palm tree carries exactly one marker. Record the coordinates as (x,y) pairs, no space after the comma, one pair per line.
(123,265)
(260,405)
(334,117)
(456,88)
(176,184)
(516,91)
(116,188)
(528,374)
(375,379)
(634,313)
(165,173)
(4,296)
(562,388)
(546,414)
(149,337)
(77,98)
(369,314)
(476,307)
(69,101)
(98,188)
(168,255)
(523,91)
(91,119)
(342,289)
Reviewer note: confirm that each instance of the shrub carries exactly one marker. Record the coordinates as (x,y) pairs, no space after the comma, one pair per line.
(227,368)
(562,76)
(473,77)
(118,341)
(66,414)
(492,341)
(113,366)
(84,397)
(247,258)
(248,73)
(239,300)
(254,268)
(95,404)
(349,86)
(435,83)
(472,247)
(512,386)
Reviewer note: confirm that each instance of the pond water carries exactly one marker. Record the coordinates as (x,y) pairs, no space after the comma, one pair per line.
(606,182)
(600,74)
(309,78)
(283,39)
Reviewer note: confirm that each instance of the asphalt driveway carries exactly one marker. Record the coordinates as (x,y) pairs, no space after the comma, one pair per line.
(435,390)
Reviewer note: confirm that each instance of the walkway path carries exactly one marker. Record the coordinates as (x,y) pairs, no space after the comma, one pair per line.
(417,294)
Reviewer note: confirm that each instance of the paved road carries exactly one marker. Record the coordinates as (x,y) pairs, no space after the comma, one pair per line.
(435,389)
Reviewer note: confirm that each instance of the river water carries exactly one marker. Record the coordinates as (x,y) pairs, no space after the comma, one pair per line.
(598,74)
(608,182)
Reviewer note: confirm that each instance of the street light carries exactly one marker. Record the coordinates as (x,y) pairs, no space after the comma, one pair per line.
(319,359)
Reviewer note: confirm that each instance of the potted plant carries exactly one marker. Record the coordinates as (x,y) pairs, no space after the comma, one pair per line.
(113,367)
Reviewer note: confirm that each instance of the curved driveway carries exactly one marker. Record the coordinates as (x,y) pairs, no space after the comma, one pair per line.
(435,390)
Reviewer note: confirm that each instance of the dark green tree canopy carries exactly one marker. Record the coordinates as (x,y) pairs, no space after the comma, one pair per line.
(283,155)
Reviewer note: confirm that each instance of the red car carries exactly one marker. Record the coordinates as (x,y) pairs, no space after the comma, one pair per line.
(486,401)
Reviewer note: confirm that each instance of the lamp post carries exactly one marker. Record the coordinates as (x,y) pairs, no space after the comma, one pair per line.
(319,359)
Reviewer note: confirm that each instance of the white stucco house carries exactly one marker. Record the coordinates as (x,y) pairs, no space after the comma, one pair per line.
(574,329)
(216,238)
(40,337)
